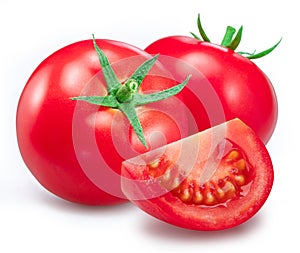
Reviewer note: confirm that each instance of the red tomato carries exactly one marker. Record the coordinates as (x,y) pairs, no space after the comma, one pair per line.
(75,149)
(212,180)
(242,88)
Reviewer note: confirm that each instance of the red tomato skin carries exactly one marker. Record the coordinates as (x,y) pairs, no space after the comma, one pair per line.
(172,210)
(47,136)
(243,89)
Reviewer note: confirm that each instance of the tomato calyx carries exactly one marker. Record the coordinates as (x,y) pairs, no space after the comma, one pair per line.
(125,97)
(232,42)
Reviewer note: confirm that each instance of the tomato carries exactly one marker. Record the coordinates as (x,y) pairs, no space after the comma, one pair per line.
(242,88)
(213,180)
(75,149)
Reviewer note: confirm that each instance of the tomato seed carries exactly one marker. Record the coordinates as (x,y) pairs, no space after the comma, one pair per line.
(220,193)
(186,195)
(215,191)
(228,187)
(240,180)
(197,198)
(154,164)
(240,164)
(233,155)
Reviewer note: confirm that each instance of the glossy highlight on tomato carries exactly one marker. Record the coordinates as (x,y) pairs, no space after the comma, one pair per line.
(213,180)
(75,149)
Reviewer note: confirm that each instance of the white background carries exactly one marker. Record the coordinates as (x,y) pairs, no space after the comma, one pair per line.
(33,220)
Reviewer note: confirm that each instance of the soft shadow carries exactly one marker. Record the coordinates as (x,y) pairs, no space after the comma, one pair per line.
(54,202)
(164,231)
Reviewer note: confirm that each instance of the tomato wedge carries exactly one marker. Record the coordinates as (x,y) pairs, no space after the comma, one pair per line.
(212,180)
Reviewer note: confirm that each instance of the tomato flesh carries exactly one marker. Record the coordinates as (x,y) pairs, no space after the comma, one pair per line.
(228,182)
(213,180)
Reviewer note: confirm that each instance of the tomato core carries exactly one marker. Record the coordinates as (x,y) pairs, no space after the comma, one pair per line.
(202,186)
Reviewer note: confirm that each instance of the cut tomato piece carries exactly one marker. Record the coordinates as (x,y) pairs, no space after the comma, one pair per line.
(212,180)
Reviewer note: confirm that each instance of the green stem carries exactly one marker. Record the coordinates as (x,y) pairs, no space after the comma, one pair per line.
(201,30)
(237,39)
(125,97)
(230,31)
(141,99)
(232,43)
(109,75)
(126,91)
(263,53)
(129,110)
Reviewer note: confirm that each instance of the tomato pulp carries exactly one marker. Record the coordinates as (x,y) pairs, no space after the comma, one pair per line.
(75,149)
(244,91)
(213,180)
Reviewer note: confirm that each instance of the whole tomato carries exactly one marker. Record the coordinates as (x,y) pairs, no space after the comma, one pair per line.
(244,91)
(74,148)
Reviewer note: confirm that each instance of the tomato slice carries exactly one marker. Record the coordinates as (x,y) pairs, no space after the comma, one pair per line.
(212,180)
